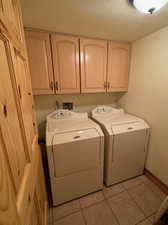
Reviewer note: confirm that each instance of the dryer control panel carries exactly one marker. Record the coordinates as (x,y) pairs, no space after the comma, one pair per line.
(103,109)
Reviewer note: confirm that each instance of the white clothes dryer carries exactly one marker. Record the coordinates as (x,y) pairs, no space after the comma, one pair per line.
(126,139)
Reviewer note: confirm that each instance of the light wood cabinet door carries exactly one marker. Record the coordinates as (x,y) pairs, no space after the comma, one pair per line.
(8,211)
(10,124)
(93,59)
(65,50)
(118,66)
(40,62)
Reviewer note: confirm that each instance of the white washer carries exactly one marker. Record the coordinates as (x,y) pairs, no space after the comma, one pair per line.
(126,139)
(75,149)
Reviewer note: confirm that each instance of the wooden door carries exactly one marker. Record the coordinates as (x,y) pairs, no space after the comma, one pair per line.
(25,98)
(11,11)
(41,195)
(18,171)
(8,9)
(40,62)
(11,129)
(8,211)
(118,66)
(93,59)
(34,218)
(65,50)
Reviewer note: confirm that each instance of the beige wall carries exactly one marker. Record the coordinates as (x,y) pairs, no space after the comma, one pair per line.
(47,103)
(148,96)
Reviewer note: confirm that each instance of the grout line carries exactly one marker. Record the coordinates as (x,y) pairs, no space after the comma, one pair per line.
(106,200)
(81,210)
(136,204)
(154,192)
(141,221)
(115,195)
(141,182)
(151,216)
(92,204)
(146,217)
(127,190)
(62,217)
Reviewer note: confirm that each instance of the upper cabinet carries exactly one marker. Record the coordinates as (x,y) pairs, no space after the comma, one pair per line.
(93,58)
(39,53)
(65,50)
(66,64)
(118,66)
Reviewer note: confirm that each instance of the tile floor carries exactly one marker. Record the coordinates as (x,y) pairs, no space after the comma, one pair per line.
(132,202)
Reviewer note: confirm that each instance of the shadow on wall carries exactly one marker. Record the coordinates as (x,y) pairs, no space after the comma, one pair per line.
(46,104)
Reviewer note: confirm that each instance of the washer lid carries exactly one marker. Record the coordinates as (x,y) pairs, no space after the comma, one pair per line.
(128,127)
(72,136)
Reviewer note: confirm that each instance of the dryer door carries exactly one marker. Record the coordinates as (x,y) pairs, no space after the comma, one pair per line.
(128,151)
(76,151)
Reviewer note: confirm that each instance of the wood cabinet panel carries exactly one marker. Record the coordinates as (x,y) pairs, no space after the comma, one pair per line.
(8,211)
(39,52)
(11,130)
(93,58)
(10,10)
(34,218)
(25,99)
(26,193)
(118,66)
(65,50)
(18,140)
(41,194)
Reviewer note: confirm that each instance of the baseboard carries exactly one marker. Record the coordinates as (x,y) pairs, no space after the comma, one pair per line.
(156,181)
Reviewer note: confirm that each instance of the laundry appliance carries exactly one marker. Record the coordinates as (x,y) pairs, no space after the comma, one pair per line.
(75,150)
(126,140)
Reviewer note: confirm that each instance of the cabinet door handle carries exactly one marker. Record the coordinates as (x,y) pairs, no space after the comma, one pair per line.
(56,85)
(51,85)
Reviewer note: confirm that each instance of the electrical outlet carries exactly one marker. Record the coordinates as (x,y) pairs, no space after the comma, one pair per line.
(67,105)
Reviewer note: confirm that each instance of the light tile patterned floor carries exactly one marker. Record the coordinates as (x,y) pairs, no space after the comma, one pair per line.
(132,202)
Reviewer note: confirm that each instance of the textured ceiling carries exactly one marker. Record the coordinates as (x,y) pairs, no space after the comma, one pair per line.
(108,19)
